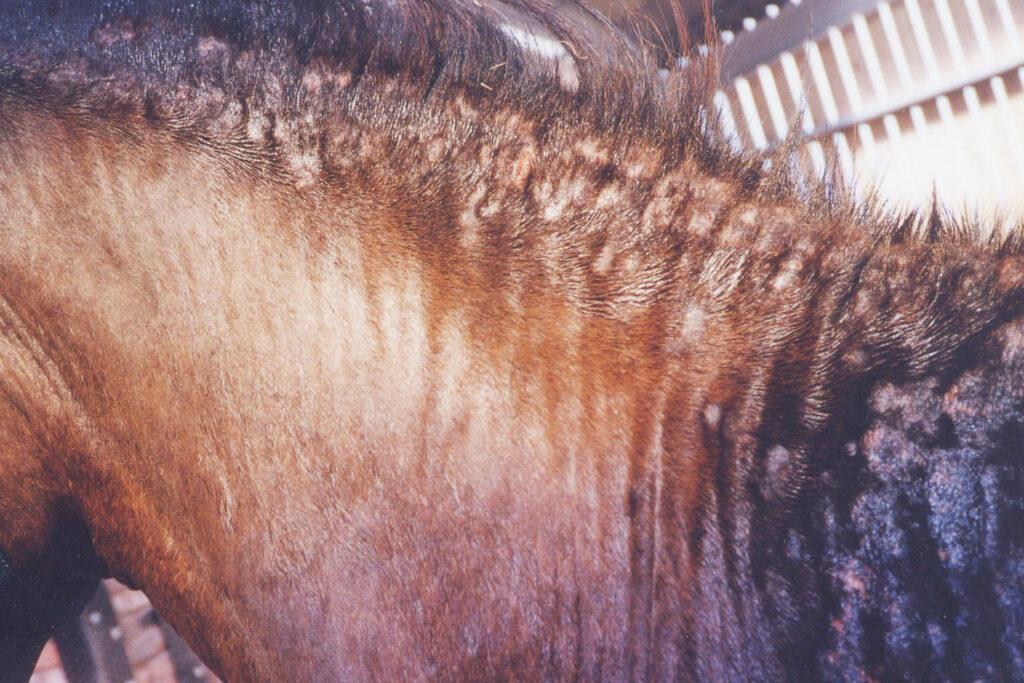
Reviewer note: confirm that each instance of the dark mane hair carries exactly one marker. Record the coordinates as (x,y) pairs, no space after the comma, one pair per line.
(262,83)
(202,68)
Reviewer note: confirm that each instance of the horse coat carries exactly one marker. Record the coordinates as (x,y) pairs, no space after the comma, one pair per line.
(448,339)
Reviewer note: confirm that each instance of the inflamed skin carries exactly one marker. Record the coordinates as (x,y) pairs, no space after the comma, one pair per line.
(405,339)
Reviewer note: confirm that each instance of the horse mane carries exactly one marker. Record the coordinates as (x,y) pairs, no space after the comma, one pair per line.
(265,84)
(566,158)
(220,73)
(541,127)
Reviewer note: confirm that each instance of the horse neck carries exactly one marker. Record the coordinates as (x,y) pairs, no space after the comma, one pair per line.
(240,364)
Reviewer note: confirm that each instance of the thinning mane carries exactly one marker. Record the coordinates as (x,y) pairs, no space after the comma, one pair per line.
(269,86)
(240,74)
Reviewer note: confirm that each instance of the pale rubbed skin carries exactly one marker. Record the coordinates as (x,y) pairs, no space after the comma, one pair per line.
(236,378)
(358,380)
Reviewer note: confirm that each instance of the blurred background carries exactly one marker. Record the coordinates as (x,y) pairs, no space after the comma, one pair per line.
(904,98)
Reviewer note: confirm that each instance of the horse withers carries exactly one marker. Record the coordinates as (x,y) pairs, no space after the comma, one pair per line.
(447,339)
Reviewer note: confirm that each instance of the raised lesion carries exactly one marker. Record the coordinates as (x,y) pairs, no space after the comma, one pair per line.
(924,555)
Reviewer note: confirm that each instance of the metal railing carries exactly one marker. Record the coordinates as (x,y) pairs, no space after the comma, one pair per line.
(908,96)
(119,638)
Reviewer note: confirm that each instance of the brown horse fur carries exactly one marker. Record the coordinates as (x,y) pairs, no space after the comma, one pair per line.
(372,343)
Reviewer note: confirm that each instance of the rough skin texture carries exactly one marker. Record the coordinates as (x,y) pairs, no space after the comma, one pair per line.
(485,358)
